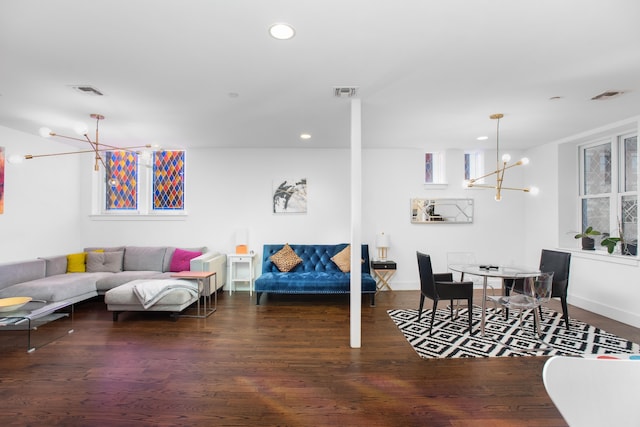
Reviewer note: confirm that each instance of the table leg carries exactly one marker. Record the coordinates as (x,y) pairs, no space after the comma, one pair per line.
(484,305)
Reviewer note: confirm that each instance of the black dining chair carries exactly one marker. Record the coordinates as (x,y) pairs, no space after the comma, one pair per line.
(441,287)
(558,263)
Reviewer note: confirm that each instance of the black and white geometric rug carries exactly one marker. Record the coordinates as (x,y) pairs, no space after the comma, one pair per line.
(504,338)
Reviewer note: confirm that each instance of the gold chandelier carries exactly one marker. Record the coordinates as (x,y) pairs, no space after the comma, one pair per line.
(501,167)
(96,146)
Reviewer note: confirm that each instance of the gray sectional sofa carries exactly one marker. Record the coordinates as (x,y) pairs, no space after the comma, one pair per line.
(47,278)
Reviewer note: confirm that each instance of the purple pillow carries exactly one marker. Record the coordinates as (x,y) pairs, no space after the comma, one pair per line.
(180,260)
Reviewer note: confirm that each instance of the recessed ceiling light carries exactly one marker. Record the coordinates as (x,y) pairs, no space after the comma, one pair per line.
(282,31)
(305,136)
(482,138)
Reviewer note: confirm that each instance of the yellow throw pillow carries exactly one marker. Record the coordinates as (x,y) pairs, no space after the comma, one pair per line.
(76,263)
(286,259)
(343,259)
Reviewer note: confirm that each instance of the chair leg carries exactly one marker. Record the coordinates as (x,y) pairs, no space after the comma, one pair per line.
(451,305)
(433,314)
(420,308)
(470,310)
(565,311)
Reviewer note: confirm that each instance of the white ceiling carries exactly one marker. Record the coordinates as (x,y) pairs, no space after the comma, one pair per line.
(429,72)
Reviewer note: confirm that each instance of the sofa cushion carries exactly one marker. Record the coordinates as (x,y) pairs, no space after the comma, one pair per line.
(55,265)
(125,295)
(286,259)
(144,258)
(76,263)
(104,261)
(60,287)
(113,280)
(181,259)
(22,271)
(312,282)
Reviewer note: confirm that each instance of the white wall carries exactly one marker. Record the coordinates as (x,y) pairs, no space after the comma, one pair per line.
(42,201)
(599,282)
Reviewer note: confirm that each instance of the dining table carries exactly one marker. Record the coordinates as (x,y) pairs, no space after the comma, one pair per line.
(495,271)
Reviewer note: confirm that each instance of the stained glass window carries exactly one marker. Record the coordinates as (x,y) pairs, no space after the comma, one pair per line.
(168,180)
(474,165)
(428,168)
(434,171)
(121,180)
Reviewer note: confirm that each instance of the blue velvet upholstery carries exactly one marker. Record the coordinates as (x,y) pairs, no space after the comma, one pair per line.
(316,274)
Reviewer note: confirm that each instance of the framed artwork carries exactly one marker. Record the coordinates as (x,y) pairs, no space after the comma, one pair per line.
(289,196)
(1,180)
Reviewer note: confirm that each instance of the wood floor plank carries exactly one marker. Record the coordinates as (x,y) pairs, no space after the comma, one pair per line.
(286,362)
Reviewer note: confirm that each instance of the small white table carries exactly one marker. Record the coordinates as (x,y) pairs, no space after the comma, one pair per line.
(240,269)
(487,271)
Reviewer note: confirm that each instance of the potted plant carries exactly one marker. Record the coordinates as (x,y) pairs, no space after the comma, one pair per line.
(610,243)
(588,244)
(626,248)
(630,248)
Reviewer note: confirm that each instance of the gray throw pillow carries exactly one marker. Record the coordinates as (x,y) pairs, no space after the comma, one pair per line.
(104,261)
(144,258)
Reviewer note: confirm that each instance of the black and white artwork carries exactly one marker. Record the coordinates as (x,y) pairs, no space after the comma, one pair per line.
(290,195)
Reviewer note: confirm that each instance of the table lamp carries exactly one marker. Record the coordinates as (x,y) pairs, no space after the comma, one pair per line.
(382,243)
(241,241)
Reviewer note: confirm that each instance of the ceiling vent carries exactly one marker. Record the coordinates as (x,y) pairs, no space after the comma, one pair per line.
(88,90)
(345,92)
(607,95)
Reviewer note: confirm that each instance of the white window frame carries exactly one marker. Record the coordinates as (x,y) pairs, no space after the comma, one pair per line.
(145,195)
(617,180)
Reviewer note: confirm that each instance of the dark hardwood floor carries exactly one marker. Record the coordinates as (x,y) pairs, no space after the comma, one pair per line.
(286,362)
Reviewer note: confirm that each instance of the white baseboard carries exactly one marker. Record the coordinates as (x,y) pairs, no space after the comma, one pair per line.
(632,319)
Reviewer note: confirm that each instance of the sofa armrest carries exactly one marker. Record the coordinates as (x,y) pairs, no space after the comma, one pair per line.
(212,261)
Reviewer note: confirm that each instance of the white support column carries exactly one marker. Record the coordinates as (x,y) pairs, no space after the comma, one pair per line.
(356,223)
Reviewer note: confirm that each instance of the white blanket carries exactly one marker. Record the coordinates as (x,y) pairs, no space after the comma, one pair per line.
(151,291)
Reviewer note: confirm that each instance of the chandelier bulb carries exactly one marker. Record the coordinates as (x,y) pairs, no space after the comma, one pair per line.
(45,132)
(506,158)
(80,129)
(524,161)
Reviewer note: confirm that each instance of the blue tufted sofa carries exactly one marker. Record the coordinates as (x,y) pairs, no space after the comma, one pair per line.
(317,274)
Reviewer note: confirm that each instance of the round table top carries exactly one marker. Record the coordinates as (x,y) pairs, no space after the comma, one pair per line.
(494,270)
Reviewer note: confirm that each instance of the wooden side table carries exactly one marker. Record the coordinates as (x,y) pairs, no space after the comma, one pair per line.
(240,269)
(383,272)
(204,289)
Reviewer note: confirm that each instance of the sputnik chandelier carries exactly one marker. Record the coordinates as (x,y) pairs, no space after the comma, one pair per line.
(501,167)
(96,146)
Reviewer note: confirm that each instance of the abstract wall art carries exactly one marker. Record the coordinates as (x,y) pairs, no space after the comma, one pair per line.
(289,196)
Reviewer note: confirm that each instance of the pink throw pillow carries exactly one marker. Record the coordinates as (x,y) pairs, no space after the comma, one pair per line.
(180,261)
